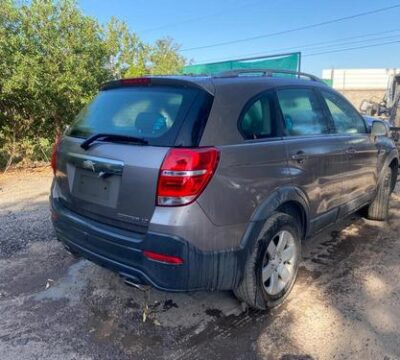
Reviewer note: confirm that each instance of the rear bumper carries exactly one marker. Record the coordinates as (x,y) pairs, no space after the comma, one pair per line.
(122,251)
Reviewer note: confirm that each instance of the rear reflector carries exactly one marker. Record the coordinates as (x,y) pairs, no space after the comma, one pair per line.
(174,260)
(184,174)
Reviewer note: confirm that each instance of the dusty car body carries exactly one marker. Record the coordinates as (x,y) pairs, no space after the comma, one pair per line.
(189,183)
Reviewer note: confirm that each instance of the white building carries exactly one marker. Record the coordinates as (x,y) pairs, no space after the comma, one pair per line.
(359,84)
(363,79)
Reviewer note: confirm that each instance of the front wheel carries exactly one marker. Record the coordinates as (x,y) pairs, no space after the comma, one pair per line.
(271,268)
(379,208)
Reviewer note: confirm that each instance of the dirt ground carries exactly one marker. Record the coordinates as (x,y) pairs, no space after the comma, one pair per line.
(345,304)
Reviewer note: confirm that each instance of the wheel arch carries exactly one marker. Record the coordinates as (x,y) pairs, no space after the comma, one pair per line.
(394,165)
(290,200)
(392,161)
(296,210)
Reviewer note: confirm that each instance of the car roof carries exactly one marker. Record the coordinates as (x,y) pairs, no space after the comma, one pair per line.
(211,84)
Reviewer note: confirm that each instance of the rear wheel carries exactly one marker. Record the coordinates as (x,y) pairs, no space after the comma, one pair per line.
(379,208)
(271,269)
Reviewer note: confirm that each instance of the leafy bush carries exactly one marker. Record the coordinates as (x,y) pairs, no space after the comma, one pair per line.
(53,59)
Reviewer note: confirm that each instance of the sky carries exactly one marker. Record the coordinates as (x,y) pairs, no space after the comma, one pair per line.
(196,24)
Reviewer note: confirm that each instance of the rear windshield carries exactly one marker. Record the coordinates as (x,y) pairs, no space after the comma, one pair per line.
(152,113)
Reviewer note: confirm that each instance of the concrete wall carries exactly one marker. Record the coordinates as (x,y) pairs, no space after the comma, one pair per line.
(360,84)
(356,96)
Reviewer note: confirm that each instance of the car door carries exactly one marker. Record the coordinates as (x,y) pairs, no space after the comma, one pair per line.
(359,182)
(252,168)
(316,156)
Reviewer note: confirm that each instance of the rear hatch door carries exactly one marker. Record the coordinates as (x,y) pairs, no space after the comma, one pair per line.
(114,180)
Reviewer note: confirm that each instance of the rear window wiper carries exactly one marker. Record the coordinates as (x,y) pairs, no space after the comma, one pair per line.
(112,137)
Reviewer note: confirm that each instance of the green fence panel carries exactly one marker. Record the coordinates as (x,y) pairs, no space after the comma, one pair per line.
(282,62)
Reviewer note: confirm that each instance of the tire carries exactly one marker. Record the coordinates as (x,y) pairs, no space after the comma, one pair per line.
(273,291)
(379,208)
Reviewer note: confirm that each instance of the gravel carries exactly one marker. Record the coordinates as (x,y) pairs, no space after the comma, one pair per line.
(346,302)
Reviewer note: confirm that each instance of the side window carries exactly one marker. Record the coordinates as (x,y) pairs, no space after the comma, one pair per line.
(257,120)
(302,112)
(347,120)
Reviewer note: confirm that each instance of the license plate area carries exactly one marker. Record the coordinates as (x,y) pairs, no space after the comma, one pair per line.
(91,187)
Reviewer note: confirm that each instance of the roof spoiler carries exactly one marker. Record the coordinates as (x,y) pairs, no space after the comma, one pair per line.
(147,81)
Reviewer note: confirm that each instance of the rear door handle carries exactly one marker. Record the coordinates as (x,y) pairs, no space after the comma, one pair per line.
(351,151)
(300,156)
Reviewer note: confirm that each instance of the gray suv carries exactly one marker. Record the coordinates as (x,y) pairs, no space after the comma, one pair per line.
(205,183)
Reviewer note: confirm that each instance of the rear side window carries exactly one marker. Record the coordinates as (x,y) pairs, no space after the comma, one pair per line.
(257,120)
(301,112)
(152,113)
(346,119)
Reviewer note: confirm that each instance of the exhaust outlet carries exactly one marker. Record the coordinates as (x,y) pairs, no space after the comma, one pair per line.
(136,285)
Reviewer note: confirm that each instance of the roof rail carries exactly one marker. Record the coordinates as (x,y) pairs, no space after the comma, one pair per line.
(268,72)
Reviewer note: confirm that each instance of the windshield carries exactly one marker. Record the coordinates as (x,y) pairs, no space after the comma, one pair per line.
(151,113)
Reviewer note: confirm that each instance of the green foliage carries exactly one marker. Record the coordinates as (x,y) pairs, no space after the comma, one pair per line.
(165,58)
(126,51)
(53,59)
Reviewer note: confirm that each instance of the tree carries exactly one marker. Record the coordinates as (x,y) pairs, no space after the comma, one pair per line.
(126,52)
(165,58)
(53,59)
(54,65)
(130,57)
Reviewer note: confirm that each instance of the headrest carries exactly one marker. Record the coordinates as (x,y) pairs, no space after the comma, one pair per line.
(150,122)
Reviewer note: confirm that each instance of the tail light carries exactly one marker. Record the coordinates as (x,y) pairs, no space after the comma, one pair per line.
(184,174)
(54,155)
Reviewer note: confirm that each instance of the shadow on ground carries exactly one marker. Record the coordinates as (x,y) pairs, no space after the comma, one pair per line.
(346,303)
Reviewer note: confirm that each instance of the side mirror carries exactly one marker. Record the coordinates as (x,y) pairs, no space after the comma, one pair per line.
(379,128)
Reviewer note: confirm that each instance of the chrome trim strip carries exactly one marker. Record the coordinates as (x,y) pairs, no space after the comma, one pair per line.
(95,158)
(183,173)
(96,164)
